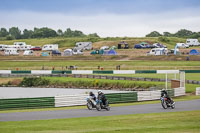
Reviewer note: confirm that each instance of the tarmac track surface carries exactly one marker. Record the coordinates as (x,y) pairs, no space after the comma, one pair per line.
(122,110)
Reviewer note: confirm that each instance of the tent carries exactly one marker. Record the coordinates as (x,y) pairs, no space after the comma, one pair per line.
(97,51)
(194,52)
(110,52)
(45,54)
(68,52)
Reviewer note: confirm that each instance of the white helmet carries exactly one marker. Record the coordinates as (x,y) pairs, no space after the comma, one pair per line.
(99,91)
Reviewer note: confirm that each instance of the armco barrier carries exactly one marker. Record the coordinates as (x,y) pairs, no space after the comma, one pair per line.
(148,95)
(20,72)
(122,97)
(74,100)
(179,92)
(40,71)
(5,71)
(18,103)
(198,91)
(70,100)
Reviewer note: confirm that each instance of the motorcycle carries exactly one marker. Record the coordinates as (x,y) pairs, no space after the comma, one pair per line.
(91,103)
(99,105)
(166,103)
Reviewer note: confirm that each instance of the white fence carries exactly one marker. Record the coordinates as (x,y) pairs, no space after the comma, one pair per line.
(123,71)
(179,91)
(148,95)
(70,100)
(5,71)
(40,71)
(198,91)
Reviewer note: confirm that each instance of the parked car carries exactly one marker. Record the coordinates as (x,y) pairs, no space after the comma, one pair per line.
(143,45)
(36,48)
(105,47)
(56,52)
(159,45)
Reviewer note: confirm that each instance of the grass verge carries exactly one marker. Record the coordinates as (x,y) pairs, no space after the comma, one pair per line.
(173,122)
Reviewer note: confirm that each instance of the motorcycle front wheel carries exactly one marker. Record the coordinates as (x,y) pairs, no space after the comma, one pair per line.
(98,107)
(164,104)
(89,105)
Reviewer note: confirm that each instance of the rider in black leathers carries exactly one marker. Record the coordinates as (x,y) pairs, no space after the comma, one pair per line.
(102,97)
(92,95)
(165,94)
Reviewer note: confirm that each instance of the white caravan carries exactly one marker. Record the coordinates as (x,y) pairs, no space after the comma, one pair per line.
(20,46)
(3,47)
(182,45)
(83,46)
(50,47)
(11,51)
(158,51)
(192,42)
(28,52)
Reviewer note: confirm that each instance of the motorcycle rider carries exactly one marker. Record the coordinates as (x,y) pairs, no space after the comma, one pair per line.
(165,94)
(92,96)
(102,97)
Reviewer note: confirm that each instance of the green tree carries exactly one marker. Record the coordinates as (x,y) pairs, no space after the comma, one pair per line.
(15,32)
(3,32)
(153,34)
(27,34)
(167,34)
(183,33)
(60,32)
(43,33)
(93,35)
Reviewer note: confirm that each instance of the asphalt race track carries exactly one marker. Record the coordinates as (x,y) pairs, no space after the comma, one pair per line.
(123,110)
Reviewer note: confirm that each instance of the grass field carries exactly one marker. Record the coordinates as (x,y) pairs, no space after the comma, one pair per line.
(93,64)
(176,122)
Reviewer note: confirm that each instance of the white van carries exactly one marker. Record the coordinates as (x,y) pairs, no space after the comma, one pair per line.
(50,47)
(11,51)
(158,51)
(182,45)
(192,42)
(28,52)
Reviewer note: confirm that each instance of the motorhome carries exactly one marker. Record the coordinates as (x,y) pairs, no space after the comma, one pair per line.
(83,46)
(158,51)
(50,47)
(3,47)
(11,51)
(182,45)
(192,42)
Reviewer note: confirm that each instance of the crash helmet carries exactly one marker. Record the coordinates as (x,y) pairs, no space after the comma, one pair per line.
(99,91)
(91,93)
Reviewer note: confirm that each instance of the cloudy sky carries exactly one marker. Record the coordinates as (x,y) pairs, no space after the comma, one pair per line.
(105,17)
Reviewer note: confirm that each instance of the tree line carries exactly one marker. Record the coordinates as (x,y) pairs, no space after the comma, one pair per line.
(45,32)
(183,33)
